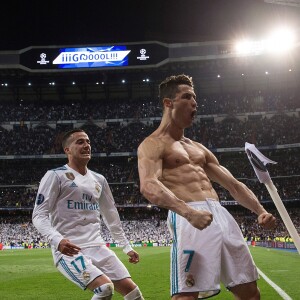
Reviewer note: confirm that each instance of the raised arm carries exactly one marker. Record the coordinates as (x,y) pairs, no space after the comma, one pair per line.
(150,154)
(238,190)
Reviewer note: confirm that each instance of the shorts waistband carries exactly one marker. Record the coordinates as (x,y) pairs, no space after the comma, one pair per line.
(207,201)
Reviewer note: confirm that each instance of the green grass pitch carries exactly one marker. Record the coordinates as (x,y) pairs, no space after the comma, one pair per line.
(30,274)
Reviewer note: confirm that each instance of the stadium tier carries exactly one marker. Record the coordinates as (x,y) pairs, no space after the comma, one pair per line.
(253,98)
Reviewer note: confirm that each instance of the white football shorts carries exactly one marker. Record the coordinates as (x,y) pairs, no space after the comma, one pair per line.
(201,259)
(90,263)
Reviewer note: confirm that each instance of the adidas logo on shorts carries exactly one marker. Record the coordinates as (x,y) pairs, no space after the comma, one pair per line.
(73,184)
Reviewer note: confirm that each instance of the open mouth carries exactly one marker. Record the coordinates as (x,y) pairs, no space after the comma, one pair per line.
(193,114)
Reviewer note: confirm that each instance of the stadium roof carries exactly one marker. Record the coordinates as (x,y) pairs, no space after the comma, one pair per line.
(34,23)
(285,2)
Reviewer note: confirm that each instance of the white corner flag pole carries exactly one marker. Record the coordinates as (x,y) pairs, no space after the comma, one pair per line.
(259,162)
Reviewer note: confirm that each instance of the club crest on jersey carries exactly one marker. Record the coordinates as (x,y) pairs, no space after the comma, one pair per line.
(70,175)
(86,276)
(190,281)
(97,187)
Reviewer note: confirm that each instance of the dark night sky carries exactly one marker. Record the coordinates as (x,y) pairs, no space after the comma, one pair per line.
(65,22)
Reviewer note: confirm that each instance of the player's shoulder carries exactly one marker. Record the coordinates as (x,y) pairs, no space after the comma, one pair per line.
(153,139)
(199,146)
(53,175)
(58,169)
(99,177)
(151,143)
(60,172)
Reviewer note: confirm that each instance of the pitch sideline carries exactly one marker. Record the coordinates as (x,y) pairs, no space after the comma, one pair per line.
(280,291)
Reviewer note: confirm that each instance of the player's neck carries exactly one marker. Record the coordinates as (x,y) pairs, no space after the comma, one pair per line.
(167,127)
(79,167)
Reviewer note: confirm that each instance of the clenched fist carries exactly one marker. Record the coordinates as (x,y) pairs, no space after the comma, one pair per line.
(200,219)
(267,220)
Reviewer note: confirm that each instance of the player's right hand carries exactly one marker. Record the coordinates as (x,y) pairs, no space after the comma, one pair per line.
(200,219)
(134,257)
(67,248)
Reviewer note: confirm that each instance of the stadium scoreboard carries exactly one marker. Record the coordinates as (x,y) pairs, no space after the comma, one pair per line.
(110,56)
(115,56)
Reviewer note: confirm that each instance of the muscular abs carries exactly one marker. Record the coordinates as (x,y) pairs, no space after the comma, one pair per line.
(183,172)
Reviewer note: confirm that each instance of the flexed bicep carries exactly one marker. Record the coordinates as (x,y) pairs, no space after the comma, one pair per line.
(238,190)
(218,173)
(150,164)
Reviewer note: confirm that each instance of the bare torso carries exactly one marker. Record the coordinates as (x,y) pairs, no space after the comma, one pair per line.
(183,170)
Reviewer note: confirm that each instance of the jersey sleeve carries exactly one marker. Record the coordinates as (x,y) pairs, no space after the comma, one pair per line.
(111,217)
(46,197)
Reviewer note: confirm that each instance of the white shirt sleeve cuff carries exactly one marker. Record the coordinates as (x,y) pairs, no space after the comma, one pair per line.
(56,240)
(127,248)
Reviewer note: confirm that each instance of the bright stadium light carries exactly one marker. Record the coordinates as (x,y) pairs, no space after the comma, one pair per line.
(243,47)
(281,40)
(248,47)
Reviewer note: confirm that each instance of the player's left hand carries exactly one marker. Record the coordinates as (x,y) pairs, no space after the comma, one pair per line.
(267,220)
(134,257)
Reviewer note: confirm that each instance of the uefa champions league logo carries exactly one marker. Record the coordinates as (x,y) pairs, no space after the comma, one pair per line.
(43,60)
(143,55)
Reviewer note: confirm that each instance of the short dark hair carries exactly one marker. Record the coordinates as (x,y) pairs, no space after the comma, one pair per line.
(169,86)
(66,136)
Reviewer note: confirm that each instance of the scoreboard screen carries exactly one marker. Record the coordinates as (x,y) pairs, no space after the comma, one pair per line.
(111,56)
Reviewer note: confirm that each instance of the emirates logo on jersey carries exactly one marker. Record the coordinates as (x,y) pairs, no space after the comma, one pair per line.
(70,176)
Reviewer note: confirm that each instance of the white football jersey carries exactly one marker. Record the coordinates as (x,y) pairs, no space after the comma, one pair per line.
(68,205)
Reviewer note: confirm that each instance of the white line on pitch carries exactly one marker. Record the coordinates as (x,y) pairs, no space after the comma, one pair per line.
(280,291)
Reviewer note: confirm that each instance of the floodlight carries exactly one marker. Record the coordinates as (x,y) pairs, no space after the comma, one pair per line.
(280,40)
(249,47)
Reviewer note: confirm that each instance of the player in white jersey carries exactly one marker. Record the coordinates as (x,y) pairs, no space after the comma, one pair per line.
(177,173)
(67,211)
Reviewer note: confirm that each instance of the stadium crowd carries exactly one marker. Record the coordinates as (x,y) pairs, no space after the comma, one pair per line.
(265,119)
(229,103)
(128,194)
(144,226)
(231,132)
(124,136)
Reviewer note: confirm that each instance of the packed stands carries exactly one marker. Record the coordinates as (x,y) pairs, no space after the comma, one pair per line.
(31,129)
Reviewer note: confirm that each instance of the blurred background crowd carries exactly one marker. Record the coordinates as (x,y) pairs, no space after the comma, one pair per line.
(117,117)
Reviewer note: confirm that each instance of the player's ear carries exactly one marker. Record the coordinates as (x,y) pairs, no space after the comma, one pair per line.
(66,150)
(167,102)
